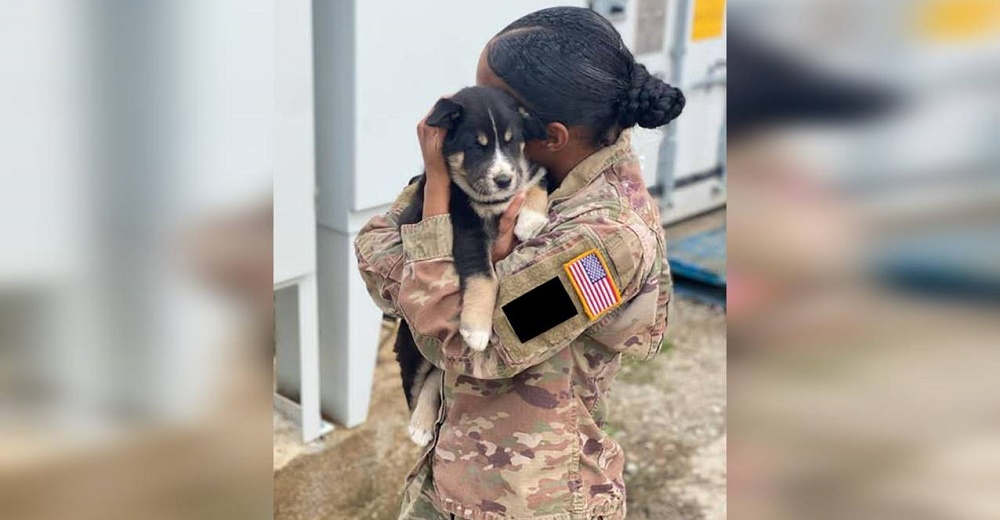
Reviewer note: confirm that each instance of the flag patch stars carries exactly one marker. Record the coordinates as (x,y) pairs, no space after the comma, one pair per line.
(593,283)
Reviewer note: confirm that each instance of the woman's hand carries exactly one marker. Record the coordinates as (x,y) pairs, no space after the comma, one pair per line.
(506,241)
(437,188)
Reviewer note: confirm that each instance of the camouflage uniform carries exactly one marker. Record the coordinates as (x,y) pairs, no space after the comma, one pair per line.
(519,435)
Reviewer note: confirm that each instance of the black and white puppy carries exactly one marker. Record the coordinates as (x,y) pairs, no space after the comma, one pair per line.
(484,151)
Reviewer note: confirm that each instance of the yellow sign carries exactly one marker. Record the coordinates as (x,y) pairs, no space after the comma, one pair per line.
(709,17)
(957,20)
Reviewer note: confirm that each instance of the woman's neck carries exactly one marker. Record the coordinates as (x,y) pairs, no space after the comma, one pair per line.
(560,167)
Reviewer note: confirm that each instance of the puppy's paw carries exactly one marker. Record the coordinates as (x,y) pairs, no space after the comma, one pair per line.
(529,223)
(421,436)
(476,339)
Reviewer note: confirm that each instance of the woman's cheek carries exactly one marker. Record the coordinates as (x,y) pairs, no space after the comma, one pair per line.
(536,152)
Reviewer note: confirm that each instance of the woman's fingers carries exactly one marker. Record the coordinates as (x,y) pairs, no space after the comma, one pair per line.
(509,217)
(426,134)
(505,241)
(431,141)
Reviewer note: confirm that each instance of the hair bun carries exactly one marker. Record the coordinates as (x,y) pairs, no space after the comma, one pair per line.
(648,101)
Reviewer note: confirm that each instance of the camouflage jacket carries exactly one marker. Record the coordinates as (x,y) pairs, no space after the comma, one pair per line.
(520,433)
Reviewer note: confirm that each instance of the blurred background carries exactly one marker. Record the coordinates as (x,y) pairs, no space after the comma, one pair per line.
(135,295)
(864,280)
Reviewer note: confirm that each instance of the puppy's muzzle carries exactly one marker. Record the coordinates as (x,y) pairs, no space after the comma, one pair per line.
(503,180)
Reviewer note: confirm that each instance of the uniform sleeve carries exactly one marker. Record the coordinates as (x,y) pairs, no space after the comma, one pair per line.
(636,329)
(379,251)
(540,308)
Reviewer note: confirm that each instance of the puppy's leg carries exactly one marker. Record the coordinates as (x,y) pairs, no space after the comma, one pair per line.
(425,413)
(478,301)
(479,285)
(532,216)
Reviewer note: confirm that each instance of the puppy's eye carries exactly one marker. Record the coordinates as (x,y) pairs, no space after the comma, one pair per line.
(482,140)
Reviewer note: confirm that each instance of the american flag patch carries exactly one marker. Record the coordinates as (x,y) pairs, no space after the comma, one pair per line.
(592,281)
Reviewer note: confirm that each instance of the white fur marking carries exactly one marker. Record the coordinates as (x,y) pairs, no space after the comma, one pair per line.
(420,436)
(501,163)
(529,223)
(490,209)
(476,339)
(494,123)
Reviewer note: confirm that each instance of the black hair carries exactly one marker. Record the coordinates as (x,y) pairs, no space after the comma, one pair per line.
(569,64)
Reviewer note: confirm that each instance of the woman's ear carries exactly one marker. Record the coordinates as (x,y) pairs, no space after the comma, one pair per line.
(557,137)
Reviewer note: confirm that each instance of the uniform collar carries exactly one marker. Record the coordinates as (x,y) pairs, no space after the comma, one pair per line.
(597,162)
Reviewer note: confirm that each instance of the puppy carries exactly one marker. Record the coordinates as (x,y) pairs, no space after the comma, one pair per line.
(484,151)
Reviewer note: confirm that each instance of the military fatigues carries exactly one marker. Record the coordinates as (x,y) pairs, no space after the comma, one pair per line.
(520,434)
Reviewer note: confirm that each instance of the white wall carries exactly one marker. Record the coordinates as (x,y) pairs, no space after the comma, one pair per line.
(295,160)
(705,111)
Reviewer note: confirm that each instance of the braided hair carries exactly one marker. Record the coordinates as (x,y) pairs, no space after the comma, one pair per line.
(570,65)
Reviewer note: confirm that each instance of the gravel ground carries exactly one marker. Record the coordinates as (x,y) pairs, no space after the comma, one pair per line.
(669,414)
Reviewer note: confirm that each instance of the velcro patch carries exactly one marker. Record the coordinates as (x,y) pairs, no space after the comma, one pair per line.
(539,310)
(593,283)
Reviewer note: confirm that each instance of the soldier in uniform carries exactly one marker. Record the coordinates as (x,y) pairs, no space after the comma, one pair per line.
(519,432)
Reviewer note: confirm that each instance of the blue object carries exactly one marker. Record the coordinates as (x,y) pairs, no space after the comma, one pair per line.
(698,265)
(950,263)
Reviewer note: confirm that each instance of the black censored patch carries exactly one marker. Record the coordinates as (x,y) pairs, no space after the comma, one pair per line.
(539,310)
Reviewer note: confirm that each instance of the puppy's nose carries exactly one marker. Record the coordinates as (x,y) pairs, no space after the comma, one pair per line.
(502,180)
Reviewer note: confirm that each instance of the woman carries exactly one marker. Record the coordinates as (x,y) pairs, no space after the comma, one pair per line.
(519,431)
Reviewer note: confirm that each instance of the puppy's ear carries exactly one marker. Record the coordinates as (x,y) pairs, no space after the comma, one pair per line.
(444,114)
(534,128)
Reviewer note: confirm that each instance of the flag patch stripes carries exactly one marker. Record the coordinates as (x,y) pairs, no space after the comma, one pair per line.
(593,283)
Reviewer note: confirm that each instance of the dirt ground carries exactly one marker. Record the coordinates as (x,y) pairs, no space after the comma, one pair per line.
(669,414)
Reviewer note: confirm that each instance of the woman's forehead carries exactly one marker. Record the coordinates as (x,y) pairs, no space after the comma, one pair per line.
(485,77)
